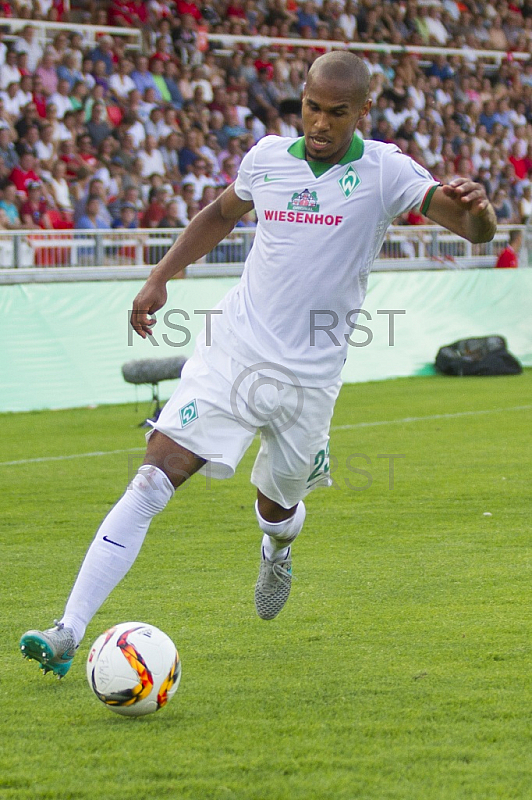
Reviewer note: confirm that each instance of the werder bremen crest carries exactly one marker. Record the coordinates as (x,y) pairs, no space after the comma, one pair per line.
(349,181)
(304,201)
(188,413)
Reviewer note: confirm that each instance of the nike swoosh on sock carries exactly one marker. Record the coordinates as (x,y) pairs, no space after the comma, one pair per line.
(117,544)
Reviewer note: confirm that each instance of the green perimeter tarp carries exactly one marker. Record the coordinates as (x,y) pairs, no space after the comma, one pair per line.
(63,344)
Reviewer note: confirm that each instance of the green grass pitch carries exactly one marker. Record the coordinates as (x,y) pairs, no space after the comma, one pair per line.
(400,668)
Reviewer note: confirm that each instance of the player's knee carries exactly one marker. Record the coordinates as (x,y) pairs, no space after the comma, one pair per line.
(176,462)
(289,526)
(151,488)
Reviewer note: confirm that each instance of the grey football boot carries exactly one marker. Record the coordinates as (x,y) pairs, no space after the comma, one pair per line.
(53,648)
(273,585)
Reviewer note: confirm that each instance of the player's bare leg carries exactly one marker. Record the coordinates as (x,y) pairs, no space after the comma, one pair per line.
(113,551)
(280,527)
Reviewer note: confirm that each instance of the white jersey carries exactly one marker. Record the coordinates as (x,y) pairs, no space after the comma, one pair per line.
(320,227)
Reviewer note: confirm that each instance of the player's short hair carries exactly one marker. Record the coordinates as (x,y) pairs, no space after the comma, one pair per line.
(342,66)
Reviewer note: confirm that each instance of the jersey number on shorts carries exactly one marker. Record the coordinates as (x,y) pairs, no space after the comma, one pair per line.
(321,464)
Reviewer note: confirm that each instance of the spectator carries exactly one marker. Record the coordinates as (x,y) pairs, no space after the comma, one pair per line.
(307,19)
(3,46)
(46,71)
(29,140)
(129,194)
(103,52)
(171,218)
(185,38)
(142,77)
(151,158)
(134,177)
(170,155)
(61,98)
(97,127)
(503,207)
(262,98)
(86,74)
(46,149)
(509,257)
(59,46)
(228,171)
(86,155)
(59,189)
(171,80)
(27,43)
(9,72)
(13,102)
(9,206)
(68,71)
(233,150)
(76,49)
(23,174)
(146,104)
(8,152)
(121,83)
(91,219)
(438,33)
(128,13)
(497,38)
(197,178)
(199,79)
(232,128)
(156,209)
(28,119)
(525,205)
(157,73)
(34,210)
(78,96)
(127,218)
(95,188)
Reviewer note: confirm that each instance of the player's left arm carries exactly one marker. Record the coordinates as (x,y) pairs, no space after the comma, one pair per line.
(462,207)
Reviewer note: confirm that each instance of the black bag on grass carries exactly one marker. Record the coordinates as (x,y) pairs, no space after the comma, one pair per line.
(486,355)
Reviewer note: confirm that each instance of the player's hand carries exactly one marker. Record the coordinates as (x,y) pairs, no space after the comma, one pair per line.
(467,195)
(150,299)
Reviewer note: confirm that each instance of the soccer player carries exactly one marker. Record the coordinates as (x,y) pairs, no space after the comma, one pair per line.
(323,204)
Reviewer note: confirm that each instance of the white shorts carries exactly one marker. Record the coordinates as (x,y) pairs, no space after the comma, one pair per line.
(219,406)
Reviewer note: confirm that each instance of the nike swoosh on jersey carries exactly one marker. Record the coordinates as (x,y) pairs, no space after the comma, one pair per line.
(111,542)
(270,180)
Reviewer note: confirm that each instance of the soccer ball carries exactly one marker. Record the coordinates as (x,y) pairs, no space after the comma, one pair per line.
(134,668)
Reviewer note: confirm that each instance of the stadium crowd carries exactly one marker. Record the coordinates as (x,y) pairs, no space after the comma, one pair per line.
(110,136)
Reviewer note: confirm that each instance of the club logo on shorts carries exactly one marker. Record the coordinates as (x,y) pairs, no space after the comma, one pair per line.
(304,201)
(188,413)
(349,181)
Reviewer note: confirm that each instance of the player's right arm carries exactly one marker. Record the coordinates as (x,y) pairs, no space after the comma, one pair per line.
(204,232)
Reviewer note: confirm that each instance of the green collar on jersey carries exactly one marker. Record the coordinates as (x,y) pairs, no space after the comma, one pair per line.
(319,168)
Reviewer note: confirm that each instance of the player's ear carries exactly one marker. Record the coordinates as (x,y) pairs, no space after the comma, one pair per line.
(366,107)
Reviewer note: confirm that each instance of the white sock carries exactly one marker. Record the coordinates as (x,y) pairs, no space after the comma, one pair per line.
(116,546)
(278,536)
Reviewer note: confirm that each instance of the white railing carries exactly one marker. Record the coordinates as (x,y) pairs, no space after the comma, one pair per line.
(229,41)
(45,31)
(113,254)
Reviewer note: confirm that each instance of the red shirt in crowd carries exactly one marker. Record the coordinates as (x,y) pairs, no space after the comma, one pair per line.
(520,167)
(128,12)
(37,212)
(183,7)
(21,179)
(508,259)
(153,215)
(40,104)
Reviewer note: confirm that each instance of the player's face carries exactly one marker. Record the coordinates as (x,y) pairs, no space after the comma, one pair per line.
(330,114)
